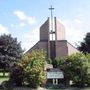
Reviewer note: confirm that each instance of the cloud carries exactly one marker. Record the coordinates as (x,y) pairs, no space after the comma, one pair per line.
(30,38)
(25,18)
(74,36)
(12,25)
(21,15)
(75,30)
(78,21)
(3,29)
(22,24)
(31,20)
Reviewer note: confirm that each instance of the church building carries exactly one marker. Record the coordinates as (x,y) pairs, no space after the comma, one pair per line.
(52,40)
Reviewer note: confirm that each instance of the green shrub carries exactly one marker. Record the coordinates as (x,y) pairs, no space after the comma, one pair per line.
(30,70)
(16,75)
(75,68)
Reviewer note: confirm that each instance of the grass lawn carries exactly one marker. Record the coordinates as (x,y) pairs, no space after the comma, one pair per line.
(3,79)
(6,74)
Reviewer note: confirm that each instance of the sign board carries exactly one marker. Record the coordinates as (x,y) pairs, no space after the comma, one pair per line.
(55,75)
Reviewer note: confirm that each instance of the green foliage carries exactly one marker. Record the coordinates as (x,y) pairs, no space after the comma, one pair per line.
(49,61)
(88,62)
(85,44)
(17,75)
(75,68)
(2,79)
(33,66)
(10,51)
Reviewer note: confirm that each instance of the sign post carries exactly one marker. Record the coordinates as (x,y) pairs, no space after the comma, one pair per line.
(55,76)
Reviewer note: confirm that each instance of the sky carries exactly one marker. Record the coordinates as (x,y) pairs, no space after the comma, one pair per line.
(23,18)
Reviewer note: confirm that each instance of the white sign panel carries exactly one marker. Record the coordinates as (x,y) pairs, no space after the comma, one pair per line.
(57,75)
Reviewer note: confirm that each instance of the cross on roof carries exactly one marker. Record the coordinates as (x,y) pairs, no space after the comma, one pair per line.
(51,8)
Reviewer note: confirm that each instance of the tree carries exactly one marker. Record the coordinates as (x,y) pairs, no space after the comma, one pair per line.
(16,75)
(30,69)
(85,44)
(10,51)
(34,71)
(75,68)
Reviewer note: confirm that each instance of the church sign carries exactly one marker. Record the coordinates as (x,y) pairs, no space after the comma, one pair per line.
(56,75)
